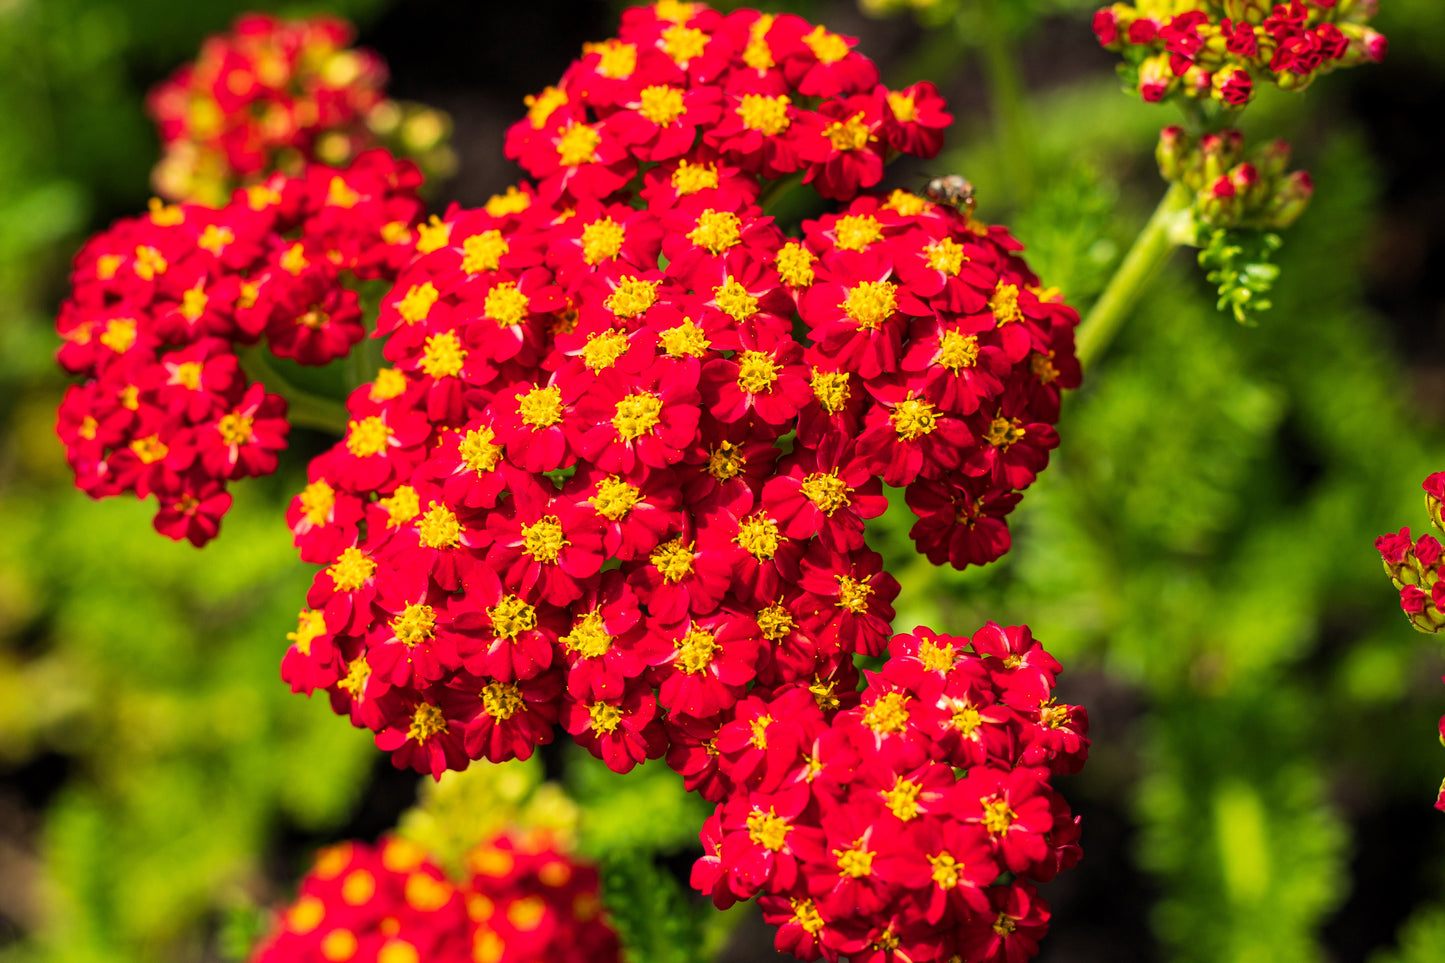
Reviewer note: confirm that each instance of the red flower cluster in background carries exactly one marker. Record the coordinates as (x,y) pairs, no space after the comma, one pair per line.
(1217,50)
(269,95)
(524,901)
(159,304)
(1416,567)
(903,826)
(605,483)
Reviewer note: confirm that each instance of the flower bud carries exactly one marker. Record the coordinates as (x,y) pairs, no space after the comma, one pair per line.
(1427,552)
(1290,199)
(1219,203)
(1156,80)
(1233,87)
(1174,148)
(1434,497)
(1412,600)
(1273,159)
(1106,28)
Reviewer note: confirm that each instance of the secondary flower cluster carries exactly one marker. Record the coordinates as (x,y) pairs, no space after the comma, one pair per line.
(524,901)
(605,484)
(903,827)
(160,302)
(1232,189)
(1219,49)
(1415,566)
(273,95)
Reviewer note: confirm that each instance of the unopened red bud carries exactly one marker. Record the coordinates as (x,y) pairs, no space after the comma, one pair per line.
(1273,159)
(1156,80)
(1219,152)
(1376,45)
(1197,81)
(1106,28)
(1427,551)
(1394,547)
(1173,149)
(1219,203)
(1143,31)
(1290,199)
(1412,600)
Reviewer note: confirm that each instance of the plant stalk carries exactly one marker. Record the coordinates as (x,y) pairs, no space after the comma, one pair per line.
(303,409)
(1167,228)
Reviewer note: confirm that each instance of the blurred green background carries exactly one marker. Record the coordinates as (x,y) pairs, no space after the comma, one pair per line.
(1198,553)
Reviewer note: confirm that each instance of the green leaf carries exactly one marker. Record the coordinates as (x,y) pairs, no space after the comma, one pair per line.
(1239,265)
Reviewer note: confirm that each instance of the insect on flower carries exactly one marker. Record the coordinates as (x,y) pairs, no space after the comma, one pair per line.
(952,189)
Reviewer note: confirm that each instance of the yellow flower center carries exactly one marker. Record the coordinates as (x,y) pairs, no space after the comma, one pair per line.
(1042,366)
(617,60)
(439,528)
(997,816)
(957,351)
(832,390)
(945,870)
(235,429)
(853,595)
(589,637)
(766,115)
(936,658)
(540,106)
(149,262)
(615,498)
(317,500)
(855,232)
(673,560)
(637,415)
(602,350)
(351,570)
(695,651)
(904,109)
(314,318)
(726,461)
(443,356)
(734,300)
(605,718)
(484,252)
(1003,432)
(543,539)
(401,507)
(661,104)
(945,255)
(193,304)
(826,490)
(632,297)
(1005,304)
(511,617)
(913,418)
(685,340)
(795,265)
(506,305)
(905,203)
(870,303)
(478,452)
(768,829)
(107,264)
(856,863)
(806,915)
(390,383)
(965,718)
(827,47)
(850,134)
(417,303)
(756,372)
(578,145)
(691,178)
(119,334)
(340,194)
(415,624)
(683,44)
(716,231)
(513,201)
(902,799)
(888,714)
(758,536)
(602,240)
(358,671)
(502,700)
(339,946)
(433,235)
(1004,925)
(540,407)
(215,238)
(775,622)
(309,626)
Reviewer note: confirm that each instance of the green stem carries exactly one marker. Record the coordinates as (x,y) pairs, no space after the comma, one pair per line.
(1006,101)
(303,409)
(1167,229)
(776,190)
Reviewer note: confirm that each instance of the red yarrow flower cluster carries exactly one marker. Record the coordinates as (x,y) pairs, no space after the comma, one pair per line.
(160,303)
(269,95)
(604,485)
(910,825)
(524,901)
(1218,50)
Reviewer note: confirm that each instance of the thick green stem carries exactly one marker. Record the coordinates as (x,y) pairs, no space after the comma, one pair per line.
(303,409)
(776,190)
(1168,228)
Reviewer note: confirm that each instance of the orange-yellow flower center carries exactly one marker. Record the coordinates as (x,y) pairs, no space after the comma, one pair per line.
(443,356)
(417,303)
(673,560)
(716,231)
(775,622)
(758,536)
(734,300)
(636,415)
(853,595)
(317,500)
(506,305)
(726,461)
(850,134)
(543,539)
(828,47)
(540,407)
(193,304)
(589,637)
(439,528)
(832,389)
(757,372)
(870,303)
(768,829)
(902,799)
(997,816)
(889,714)
(502,700)
(826,490)
(484,251)
(235,428)
(578,145)
(1003,432)
(856,862)
(766,115)
(904,109)
(685,340)
(913,418)
(695,650)
(605,718)
(795,265)
(511,617)
(478,451)
(615,498)
(415,624)
(1005,304)
(351,570)
(661,104)
(401,507)
(310,625)
(854,232)
(691,178)
(602,240)
(683,43)
(632,297)
(957,351)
